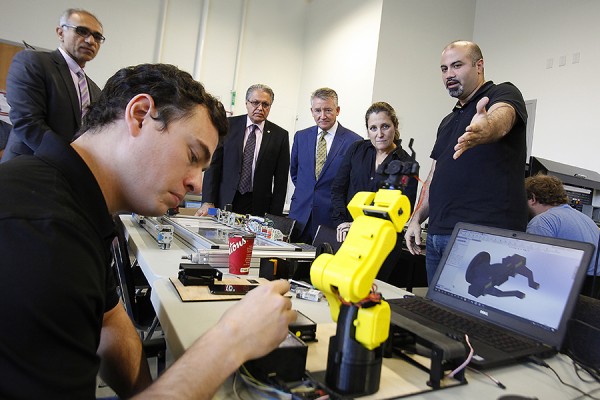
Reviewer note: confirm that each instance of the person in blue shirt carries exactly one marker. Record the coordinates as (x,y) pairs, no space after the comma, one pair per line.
(553,216)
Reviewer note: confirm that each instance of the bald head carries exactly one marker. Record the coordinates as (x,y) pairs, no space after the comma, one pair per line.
(471,49)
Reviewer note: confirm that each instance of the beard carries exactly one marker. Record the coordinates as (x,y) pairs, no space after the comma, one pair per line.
(457,91)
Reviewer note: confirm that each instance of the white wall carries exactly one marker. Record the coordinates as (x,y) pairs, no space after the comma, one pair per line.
(373,49)
(340,51)
(129,26)
(413,34)
(271,53)
(272,41)
(566,123)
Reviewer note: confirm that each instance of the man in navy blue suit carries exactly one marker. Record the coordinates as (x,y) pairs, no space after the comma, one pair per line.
(316,156)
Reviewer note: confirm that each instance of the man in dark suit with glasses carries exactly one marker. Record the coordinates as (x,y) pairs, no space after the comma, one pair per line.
(49,91)
(249,170)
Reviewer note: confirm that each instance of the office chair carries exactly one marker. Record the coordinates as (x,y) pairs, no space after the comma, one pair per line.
(284,224)
(582,341)
(136,298)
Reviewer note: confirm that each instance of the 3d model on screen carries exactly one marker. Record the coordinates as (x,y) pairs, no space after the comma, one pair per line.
(485,277)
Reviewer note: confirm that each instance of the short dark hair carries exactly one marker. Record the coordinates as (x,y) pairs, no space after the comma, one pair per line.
(547,189)
(382,106)
(175,94)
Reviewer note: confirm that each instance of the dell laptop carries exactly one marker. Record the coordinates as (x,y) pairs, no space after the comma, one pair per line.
(513,293)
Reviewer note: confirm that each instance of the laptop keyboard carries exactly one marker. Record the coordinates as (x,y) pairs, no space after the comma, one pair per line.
(305,246)
(458,323)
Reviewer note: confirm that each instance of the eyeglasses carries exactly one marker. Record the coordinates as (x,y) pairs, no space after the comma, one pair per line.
(85,32)
(256,103)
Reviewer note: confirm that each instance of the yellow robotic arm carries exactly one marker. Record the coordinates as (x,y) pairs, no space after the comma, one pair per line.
(363,319)
(347,276)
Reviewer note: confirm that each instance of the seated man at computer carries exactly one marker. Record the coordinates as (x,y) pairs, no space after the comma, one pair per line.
(553,216)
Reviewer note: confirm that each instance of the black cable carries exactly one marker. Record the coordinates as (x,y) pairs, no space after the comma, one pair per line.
(592,371)
(542,363)
(592,374)
(590,392)
(586,365)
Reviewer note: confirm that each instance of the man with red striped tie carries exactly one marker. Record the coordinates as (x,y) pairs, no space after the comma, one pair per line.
(49,91)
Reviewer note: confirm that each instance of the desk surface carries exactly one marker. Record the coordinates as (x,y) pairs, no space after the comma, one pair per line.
(183,323)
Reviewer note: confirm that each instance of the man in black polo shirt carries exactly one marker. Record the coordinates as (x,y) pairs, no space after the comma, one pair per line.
(145,143)
(478,157)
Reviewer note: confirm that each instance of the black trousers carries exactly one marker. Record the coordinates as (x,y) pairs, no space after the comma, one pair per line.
(242,203)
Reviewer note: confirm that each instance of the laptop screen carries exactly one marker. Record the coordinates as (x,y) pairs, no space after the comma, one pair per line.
(526,283)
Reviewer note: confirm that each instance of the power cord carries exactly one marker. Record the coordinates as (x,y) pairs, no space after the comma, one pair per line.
(576,351)
(467,360)
(590,372)
(542,363)
(589,393)
(593,373)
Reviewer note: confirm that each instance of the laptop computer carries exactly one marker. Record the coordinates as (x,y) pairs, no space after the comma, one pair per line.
(516,284)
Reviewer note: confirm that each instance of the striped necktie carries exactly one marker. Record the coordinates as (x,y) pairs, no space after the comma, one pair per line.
(245,184)
(321,154)
(83,93)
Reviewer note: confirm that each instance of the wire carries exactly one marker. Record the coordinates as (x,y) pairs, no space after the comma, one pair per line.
(422,195)
(542,363)
(587,394)
(580,367)
(264,391)
(466,362)
(371,299)
(592,370)
(490,377)
(237,395)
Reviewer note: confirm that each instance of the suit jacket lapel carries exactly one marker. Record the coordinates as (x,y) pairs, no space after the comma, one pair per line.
(90,91)
(264,144)
(312,148)
(338,140)
(65,74)
(238,129)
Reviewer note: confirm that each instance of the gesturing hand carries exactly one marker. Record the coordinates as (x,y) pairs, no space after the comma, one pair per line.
(477,132)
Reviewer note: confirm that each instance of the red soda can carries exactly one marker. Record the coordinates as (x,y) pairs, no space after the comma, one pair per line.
(240,252)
